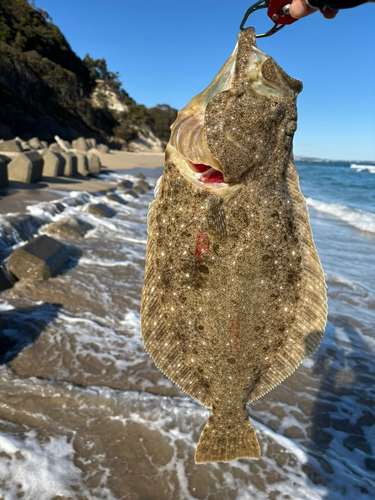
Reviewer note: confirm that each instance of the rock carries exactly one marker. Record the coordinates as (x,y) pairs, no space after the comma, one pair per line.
(94,163)
(137,190)
(125,184)
(146,141)
(55,148)
(70,228)
(5,282)
(100,209)
(140,176)
(39,259)
(143,185)
(82,164)
(102,148)
(26,167)
(12,146)
(70,167)
(53,165)
(44,144)
(116,198)
(80,144)
(4,160)
(35,143)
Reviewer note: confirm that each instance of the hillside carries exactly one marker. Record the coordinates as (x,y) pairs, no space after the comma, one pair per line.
(46,89)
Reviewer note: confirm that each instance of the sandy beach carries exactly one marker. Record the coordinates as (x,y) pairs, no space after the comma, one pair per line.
(18,195)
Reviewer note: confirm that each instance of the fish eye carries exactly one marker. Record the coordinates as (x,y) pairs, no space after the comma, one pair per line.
(274,104)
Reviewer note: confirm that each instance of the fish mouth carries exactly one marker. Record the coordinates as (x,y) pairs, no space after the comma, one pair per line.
(208,175)
(202,176)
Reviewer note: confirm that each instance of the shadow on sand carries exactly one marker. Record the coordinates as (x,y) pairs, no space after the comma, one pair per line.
(21,327)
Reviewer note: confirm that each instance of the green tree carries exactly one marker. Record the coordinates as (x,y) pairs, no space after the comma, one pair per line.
(160,120)
(99,70)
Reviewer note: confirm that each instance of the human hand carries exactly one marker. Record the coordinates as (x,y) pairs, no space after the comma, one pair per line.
(299,9)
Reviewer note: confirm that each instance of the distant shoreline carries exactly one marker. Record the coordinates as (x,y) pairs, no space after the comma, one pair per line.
(324,160)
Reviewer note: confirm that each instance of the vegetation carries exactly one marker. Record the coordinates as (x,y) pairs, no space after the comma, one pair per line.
(45,88)
(160,120)
(27,28)
(99,71)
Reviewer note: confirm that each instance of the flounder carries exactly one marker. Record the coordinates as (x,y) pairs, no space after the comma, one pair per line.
(234,296)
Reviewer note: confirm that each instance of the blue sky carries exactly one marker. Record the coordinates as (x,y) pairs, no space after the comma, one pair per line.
(167,52)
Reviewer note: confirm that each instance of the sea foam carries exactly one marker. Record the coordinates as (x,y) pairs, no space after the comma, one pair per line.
(362,168)
(360,219)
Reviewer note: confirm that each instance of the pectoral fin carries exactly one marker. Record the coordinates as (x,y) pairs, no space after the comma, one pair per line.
(217,227)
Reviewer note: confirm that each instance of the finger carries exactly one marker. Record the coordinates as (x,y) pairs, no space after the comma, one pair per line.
(329,13)
(299,9)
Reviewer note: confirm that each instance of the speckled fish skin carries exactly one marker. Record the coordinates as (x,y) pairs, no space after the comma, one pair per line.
(234,296)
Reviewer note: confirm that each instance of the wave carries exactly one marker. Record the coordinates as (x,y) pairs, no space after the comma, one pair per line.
(337,279)
(360,219)
(362,168)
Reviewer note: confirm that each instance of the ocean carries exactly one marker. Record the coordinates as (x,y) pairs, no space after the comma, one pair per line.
(84,413)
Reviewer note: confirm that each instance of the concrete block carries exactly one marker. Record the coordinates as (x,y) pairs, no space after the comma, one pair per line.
(35,143)
(12,146)
(94,163)
(80,144)
(91,142)
(70,167)
(125,184)
(26,167)
(39,259)
(100,209)
(55,148)
(143,185)
(53,165)
(4,160)
(131,192)
(102,148)
(82,164)
(43,151)
(140,176)
(70,228)
(25,146)
(137,190)
(116,198)
(61,144)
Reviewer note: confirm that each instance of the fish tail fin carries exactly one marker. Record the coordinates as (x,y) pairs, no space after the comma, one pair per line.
(227,437)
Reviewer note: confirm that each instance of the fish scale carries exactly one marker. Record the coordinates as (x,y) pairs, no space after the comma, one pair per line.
(234,296)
